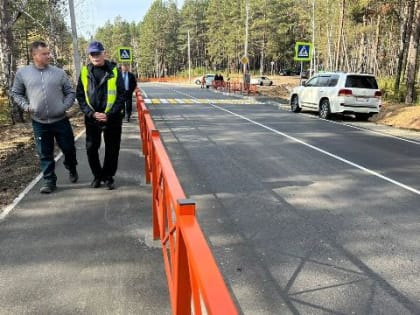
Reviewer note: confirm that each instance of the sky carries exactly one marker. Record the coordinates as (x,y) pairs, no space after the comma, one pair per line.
(91,14)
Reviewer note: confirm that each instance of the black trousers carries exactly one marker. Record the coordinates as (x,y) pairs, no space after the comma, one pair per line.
(128,105)
(112,140)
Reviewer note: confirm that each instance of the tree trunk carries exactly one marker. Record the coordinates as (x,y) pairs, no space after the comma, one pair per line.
(412,60)
(7,66)
(6,40)
(375,52)
(262,56)
(405,35)
(330,60)
(361,67)
(5,44)
(340,36)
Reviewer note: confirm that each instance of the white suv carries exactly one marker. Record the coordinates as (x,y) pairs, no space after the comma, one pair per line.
(336,92)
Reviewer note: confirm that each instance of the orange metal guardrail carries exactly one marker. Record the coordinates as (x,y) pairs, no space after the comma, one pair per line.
(194,279)
(228,86)
(236,86)
(252,89)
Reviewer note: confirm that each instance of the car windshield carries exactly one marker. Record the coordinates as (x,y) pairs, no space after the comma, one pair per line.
(362,82)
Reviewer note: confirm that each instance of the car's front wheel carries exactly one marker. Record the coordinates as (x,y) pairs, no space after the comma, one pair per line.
(294,104)
(324,109)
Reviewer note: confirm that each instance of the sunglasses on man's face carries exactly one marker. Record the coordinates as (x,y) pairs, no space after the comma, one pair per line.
(95,54)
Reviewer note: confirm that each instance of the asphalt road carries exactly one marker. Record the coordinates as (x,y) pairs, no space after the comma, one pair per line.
(303,215)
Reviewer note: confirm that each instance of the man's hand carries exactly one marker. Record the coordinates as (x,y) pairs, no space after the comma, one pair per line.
(102,117)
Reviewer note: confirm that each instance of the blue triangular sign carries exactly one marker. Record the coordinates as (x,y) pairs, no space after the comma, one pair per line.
(303,52)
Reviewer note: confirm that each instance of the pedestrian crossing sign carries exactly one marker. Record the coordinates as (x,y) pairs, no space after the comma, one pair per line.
(124,54)
(303,51)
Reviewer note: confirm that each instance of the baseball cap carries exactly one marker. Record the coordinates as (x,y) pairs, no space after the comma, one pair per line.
(95,47)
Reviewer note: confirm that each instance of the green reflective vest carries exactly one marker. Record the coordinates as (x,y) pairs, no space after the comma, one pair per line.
(111,87)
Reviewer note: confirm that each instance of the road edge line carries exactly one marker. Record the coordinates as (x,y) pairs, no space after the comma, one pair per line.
(9,208)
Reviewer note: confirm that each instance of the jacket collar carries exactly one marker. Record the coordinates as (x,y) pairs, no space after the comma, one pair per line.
(108,66)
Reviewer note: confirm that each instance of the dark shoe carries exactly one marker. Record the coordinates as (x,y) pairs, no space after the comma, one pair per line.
(128,119)
(47,188)
(110,183)
(96,183)
(73,176)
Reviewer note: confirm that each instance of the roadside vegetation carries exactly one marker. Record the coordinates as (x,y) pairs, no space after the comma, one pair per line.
(379,37)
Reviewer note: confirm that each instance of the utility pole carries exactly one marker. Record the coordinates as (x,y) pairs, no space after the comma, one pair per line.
(76,56)
(189,58)
(246,31)
(245,57)
(312,67)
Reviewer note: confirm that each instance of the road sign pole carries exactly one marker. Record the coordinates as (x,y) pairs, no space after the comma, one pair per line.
(301,70)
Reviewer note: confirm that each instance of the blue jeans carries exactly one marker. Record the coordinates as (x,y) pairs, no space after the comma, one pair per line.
(45,134)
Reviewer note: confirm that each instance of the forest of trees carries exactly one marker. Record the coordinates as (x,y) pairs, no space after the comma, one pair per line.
(374,36)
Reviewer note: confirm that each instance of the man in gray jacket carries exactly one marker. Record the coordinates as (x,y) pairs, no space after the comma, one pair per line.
(46,92)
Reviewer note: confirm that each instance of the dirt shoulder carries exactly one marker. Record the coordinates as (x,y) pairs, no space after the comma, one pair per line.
(19,163)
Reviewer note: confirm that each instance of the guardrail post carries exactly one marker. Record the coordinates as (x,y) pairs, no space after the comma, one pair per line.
(182,271)
(143,128)
(152,161)
(148,139)
(138,105)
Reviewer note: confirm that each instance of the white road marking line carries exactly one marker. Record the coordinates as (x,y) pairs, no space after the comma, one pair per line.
(198,101)
(381,133)
(390,180)
(9,208)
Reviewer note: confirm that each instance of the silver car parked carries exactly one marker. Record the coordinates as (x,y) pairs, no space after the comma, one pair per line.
(261,81)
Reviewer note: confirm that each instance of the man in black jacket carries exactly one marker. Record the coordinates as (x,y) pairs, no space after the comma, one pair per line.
(101,95)
(130,84)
